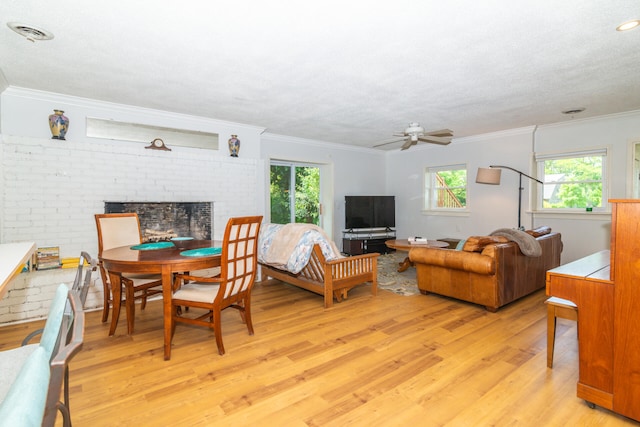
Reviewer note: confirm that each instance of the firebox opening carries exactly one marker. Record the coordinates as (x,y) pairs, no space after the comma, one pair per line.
(160,221)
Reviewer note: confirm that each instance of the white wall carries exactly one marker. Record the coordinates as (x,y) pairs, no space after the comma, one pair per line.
(3,86)
(489,206)
(492,207)
(351,170)
(51,189)
(587,233)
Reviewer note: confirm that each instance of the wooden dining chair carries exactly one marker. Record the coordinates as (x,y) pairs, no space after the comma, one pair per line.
(231,288)
(123,229)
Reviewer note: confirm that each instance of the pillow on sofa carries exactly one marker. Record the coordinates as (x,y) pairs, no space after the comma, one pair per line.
(477,243)
(540,231)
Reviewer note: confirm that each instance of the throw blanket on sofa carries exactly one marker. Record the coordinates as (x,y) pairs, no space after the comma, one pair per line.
(527,243)
(288,247)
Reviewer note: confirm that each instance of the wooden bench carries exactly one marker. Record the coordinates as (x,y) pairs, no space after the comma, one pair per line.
(330,278)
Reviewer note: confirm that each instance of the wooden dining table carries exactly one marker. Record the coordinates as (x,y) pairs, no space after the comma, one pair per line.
(164,261)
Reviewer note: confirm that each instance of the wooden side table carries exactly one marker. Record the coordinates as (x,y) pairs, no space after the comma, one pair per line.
(404,245)
(451,241)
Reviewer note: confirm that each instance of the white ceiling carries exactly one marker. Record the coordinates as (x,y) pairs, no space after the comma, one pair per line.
(347,71)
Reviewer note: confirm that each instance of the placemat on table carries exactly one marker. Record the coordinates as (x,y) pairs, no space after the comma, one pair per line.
(202,252)
(152,246)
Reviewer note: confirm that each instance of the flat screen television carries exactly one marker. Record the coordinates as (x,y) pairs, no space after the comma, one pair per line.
(370,212)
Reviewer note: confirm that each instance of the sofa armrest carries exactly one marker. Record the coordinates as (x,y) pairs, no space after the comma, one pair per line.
(458,260)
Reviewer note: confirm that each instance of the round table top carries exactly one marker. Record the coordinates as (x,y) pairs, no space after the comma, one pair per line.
(125,255)
(404,245)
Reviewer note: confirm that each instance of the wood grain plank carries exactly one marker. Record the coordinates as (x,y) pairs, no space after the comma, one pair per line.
(374,361)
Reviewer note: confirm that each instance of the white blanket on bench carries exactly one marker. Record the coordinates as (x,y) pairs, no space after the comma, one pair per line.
(289,246)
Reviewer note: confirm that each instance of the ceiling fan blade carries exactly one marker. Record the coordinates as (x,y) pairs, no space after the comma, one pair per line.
(441,132)
(435,139)
(388,142)
(407,144)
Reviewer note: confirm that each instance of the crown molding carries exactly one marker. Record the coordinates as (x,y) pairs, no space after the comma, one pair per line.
(621,115)
(89,103)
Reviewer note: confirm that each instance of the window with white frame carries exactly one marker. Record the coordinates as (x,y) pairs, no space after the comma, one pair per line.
(573,181)
(445,187)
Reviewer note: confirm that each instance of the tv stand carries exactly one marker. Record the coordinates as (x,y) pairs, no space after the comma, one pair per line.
(357,241)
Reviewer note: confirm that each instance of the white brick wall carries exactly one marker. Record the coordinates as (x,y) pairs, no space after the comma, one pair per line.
(51,190)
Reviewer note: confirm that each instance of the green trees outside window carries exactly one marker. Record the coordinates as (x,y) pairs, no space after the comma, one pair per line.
(295,194)
(453,192)
(573,182)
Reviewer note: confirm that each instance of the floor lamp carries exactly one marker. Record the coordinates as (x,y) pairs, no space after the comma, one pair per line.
(492,176)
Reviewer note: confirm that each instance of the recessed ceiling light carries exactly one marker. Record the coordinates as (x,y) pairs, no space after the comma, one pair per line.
(574,111)
(629,25)
(30,32)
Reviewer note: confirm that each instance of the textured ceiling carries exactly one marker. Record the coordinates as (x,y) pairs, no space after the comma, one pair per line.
(349,72)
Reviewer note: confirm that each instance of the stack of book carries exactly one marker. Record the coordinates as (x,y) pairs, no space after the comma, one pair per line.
(47,258)
(418,240)
(72,262)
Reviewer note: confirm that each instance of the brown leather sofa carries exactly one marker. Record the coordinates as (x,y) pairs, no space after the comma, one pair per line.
(489,270)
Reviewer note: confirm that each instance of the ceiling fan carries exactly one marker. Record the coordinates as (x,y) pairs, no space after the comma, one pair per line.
(415,133)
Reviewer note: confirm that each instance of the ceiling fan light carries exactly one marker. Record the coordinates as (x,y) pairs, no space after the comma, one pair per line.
(629,25)
(414,128)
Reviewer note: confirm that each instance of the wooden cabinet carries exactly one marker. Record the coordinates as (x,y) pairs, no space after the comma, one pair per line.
(366,241)
(606,288)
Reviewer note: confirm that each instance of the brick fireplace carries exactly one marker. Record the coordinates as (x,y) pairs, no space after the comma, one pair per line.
(165,220)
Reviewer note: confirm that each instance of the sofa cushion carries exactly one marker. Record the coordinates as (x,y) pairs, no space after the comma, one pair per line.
(540,231)
(456,260)
(25,401)
(54,319)
(11,361)
(477,243)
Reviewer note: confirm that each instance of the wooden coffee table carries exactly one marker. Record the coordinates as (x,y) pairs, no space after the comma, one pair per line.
(404,245)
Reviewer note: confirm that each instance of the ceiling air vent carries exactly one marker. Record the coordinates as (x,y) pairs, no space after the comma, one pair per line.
(30,32)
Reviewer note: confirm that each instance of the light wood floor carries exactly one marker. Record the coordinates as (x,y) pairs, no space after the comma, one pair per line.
(368,361)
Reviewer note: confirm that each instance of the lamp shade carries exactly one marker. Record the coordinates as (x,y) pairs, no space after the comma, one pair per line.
(488,176)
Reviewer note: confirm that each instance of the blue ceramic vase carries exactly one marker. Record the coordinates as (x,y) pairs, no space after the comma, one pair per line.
(59,124)
(234,146)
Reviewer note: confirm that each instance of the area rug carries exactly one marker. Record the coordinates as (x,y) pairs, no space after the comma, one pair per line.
(389,279)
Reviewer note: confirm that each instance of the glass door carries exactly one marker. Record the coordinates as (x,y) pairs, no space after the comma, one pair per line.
(294,193)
